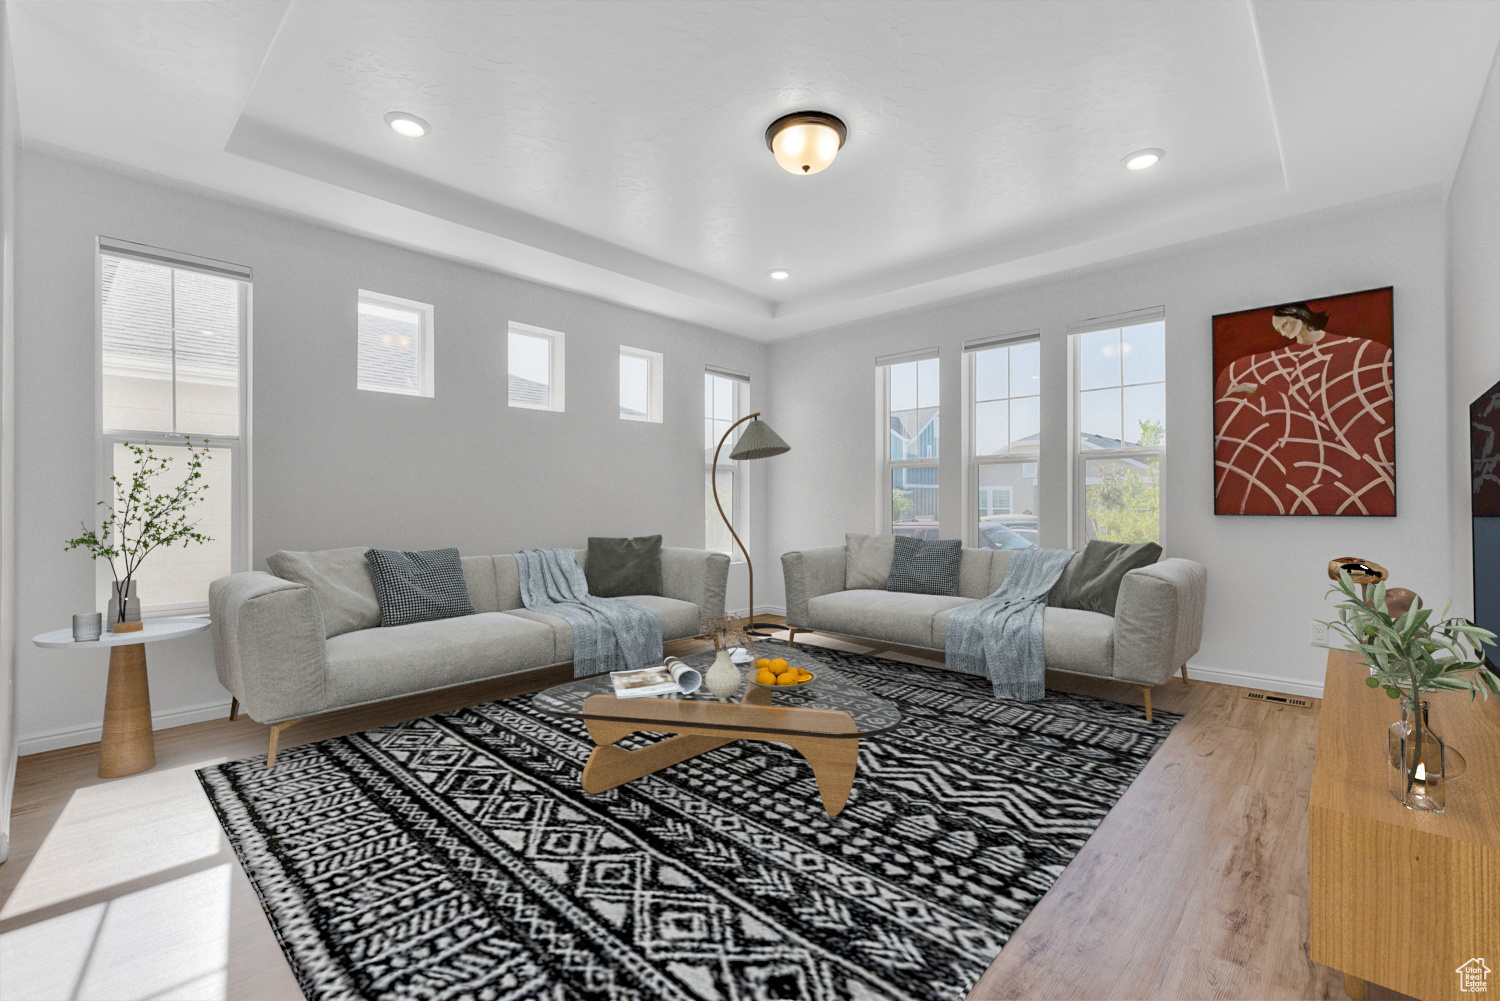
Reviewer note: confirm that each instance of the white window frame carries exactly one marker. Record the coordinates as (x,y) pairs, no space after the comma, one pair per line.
(556,366)
(739,509)
(971,507)
(238,445)
(426,337)
(1078,457)
(655,364)
(883,417)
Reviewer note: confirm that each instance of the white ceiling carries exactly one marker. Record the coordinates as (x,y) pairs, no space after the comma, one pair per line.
(617,148)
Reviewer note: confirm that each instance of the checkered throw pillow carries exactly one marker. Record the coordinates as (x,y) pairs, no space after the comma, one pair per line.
(924,567)
(417,587)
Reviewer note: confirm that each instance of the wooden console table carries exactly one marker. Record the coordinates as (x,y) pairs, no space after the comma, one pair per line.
(1401,898)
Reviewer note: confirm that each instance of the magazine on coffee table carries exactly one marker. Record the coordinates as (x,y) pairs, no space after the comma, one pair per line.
(672,677)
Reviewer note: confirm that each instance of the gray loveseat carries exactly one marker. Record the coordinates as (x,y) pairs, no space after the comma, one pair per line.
(1157,625)
(287,649)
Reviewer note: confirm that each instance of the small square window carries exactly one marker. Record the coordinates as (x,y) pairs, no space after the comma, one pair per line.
(395,345)
(535,367)
(640,385)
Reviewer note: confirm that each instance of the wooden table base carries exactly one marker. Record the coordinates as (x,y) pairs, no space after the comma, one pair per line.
(125,746)
(833,759)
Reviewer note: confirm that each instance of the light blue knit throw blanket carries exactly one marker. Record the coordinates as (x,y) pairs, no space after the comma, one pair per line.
(609,634)
(1000,637)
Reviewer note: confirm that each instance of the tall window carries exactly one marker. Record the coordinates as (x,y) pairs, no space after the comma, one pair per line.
(395,345)
(175,337)
(1005,385)
(725,400)
(535,366)
(640,385)
(911,423)
(1121,402)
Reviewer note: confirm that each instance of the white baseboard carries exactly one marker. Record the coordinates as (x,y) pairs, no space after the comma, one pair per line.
(1244,679)
(759,610)
(73,736)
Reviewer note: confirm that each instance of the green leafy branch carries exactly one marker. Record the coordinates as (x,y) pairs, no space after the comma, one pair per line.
(140,519)
(1413,653)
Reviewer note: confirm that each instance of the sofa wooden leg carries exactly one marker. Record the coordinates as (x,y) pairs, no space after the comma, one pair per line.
(791,636)
(234,710)
(1146,694)
(276,729)
(1184,672)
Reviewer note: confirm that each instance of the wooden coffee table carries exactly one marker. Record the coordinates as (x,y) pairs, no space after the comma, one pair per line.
(822,721)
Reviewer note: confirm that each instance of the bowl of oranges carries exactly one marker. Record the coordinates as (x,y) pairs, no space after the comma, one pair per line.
(775,672)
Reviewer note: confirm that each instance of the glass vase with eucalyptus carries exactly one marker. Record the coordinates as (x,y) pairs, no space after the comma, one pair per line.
(1409,654)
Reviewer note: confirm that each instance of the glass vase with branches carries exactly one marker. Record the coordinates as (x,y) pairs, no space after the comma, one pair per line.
(142,517)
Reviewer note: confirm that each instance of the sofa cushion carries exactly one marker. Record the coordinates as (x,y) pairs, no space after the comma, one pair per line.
(867,561)
(340,579)
(891,616)
(479,574)
(974,566)
(1091,580)
(617,567)
(679,620)
(1072,640)
(374,664)
(419,586)
(923,566)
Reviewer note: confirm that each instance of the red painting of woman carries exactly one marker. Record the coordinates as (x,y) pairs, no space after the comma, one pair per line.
(1307,426)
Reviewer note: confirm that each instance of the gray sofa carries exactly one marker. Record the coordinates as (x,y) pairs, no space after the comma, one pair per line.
(1157,625)
(287,649)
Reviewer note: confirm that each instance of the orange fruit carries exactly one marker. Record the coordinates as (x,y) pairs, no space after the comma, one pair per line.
(765,678)
(786,678)
(780,666)
(763,663)
(804,675)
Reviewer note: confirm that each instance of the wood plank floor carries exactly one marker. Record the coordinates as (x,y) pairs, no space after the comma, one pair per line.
(1195,885)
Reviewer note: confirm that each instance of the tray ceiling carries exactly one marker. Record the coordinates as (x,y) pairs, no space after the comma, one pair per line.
(617,148)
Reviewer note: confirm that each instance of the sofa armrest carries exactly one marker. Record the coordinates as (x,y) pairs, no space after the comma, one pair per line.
(809,573)
(695,575)
(269,647)
(1159,620)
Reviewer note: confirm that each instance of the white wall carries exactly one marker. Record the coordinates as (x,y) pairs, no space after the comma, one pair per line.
(1473,310)
(334,466)
(1266,574)
(10,146)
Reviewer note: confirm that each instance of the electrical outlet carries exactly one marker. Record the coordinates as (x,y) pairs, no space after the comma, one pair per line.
(1319,636)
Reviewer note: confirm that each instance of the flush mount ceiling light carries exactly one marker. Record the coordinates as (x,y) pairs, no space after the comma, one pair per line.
(1143,158)
(781,274)
(406,124)
(805,142)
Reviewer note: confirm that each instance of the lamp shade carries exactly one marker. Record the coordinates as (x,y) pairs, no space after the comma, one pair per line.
(758,441)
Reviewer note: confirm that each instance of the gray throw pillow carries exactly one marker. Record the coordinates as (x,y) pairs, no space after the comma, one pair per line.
(420,586)
(925,566)
(339,579)
(1092,579)
(867,561)
(619,567)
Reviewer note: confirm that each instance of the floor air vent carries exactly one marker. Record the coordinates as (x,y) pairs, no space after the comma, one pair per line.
(1281,700)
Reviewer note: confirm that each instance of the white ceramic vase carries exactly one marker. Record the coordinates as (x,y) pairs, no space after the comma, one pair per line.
(723,678)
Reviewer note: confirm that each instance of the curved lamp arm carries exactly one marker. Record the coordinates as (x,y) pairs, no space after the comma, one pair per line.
(714,483)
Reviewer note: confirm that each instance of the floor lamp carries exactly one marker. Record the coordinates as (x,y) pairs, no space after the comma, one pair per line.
(757,441)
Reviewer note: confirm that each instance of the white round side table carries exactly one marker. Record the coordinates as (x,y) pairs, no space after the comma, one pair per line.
(126,745)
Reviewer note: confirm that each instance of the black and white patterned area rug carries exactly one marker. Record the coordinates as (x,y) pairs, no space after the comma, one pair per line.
(457,856)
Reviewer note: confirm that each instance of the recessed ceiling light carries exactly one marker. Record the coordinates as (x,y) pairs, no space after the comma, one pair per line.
(805,142)
(781,274)
(406,124)
(1143,158)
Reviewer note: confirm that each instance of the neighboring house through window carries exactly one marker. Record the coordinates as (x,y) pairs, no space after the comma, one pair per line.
(1004,380)
(395,345)
(640,385)
(535,366)
(909,388)
(1119,375)
(174,349)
